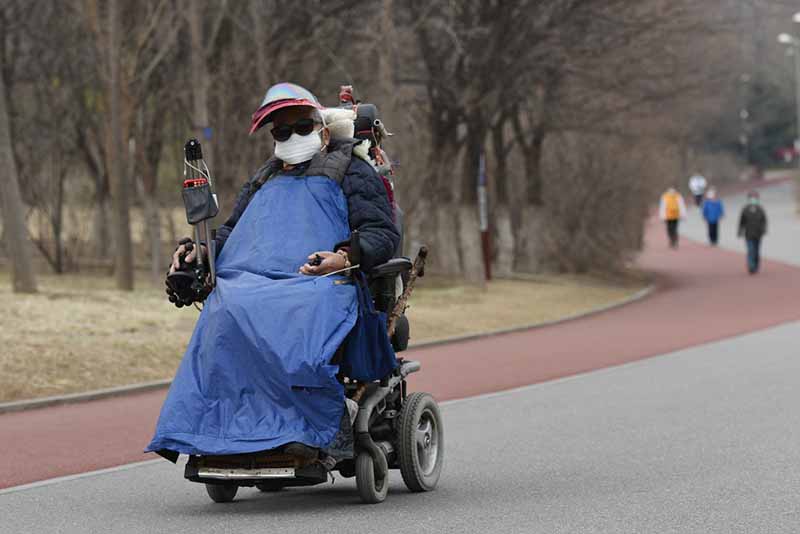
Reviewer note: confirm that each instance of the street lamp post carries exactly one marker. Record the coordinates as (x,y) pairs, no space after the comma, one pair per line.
(794,42)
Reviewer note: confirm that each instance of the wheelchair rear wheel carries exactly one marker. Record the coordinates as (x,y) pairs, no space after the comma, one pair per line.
(420,442)
(371,489)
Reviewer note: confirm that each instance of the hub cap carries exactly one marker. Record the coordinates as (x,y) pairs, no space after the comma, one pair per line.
(427,441)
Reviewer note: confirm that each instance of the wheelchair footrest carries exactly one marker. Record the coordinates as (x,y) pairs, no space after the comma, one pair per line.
(260,473)
(228,472)
(408,367)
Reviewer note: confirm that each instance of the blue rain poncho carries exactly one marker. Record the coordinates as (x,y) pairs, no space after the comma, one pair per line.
(256,373)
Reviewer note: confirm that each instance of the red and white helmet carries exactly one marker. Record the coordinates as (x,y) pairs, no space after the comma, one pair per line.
(279,96)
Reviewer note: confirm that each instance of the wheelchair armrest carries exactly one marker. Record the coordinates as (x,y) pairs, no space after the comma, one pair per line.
(392,267)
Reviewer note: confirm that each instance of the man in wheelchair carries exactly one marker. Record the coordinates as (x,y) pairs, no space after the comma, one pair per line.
(290,329)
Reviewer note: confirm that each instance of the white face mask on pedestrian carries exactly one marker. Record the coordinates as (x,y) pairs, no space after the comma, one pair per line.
(299,148)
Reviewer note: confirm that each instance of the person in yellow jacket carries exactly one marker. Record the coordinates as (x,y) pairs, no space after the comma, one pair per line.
(672,209)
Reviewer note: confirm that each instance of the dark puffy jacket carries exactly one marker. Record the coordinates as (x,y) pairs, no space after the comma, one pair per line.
(367,202)
(753,222)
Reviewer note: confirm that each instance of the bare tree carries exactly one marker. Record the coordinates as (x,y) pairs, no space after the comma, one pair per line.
(117,153)
(16,235)
(14,228)
(203,43)
(132,43)
(514,80)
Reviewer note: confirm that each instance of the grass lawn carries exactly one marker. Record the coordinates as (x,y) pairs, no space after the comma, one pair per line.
(80,334)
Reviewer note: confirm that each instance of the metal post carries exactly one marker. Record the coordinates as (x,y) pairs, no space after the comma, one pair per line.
(483,214)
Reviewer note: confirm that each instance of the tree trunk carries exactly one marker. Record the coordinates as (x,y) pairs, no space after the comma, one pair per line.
(527,239)
(470,245)
(533,166)
(123,246)
(149,157)
(503,236)
(684,149)
(470,242)
(16,235)
(260,38)
(502,227)
(443,232)
(500,177)
(525,208)
(96,163)
(57,219)
(101,235)
(152,221)
(386,61)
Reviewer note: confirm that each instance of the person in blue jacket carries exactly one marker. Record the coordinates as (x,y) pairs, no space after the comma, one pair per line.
(713,212)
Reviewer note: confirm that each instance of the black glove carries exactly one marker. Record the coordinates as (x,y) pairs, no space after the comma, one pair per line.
(188,284)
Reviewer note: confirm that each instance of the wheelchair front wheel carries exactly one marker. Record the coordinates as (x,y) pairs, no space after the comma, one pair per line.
(371,489)
(222,492)
(420,442)
(270,486)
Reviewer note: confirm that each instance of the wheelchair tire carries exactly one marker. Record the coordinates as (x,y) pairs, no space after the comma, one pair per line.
(222,492)
(370,489)
(270,486)
(420,442)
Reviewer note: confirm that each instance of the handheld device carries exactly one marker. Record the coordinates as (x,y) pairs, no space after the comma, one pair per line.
(193,281)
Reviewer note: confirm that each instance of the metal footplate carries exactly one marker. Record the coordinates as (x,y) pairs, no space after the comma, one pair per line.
(224,470)
(263,473)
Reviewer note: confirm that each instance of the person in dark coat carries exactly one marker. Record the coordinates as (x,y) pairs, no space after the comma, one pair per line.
(753,227)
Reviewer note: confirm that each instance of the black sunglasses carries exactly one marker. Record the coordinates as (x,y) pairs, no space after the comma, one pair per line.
(284,131)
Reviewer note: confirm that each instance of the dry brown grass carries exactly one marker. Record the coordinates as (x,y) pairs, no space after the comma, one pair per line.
(80,334)
(448,311)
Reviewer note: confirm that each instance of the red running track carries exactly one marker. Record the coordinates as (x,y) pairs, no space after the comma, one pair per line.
(703,295)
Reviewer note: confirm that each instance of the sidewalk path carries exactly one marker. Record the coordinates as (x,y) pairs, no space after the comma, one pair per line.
(704,295)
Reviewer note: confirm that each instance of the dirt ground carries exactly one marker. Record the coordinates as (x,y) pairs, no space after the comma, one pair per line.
(80,334)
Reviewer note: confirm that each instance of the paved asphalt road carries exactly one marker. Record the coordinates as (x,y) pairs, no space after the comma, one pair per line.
(702,440)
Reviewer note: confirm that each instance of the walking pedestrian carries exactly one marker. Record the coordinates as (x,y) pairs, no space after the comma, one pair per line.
(672,209)
(753,226)
(713,212)
(697,185)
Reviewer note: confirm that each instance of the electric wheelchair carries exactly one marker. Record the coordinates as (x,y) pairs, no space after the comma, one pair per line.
(394,429)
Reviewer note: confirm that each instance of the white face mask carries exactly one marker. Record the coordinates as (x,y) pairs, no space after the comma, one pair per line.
(299,148)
